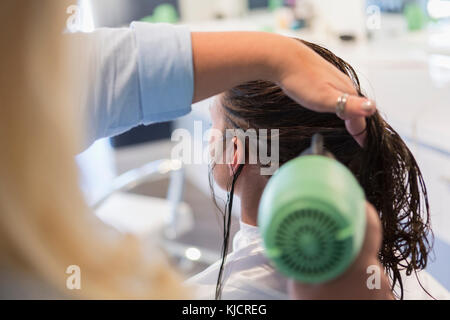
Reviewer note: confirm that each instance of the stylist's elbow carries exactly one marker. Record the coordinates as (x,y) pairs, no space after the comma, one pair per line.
(365,279)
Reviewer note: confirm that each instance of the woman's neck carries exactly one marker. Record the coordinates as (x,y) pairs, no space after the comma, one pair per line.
(250,195)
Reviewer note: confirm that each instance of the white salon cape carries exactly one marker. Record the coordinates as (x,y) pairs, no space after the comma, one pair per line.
(142,75)
(248,274)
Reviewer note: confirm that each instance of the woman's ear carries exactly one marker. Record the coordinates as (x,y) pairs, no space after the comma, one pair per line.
(238,156)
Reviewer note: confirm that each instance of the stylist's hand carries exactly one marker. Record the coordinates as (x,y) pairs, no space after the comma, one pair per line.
(223,60)
(316,84)
(353,283)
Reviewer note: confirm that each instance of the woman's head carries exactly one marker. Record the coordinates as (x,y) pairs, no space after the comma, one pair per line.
(385,167)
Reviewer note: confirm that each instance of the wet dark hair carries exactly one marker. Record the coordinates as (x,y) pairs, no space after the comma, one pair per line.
(226,219)
(385,167)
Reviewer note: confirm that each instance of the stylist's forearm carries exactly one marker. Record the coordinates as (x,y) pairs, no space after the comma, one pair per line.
(226,59)
(223,60)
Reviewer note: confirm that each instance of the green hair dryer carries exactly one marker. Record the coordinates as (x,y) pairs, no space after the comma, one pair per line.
(312,216)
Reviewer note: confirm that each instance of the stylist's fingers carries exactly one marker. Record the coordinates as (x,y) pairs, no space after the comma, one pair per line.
(355,111)
(357,128)
(355,106)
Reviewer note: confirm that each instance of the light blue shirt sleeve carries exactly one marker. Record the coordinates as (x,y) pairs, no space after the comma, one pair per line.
(133,76)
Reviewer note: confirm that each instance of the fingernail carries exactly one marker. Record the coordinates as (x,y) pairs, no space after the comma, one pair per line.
(368,105)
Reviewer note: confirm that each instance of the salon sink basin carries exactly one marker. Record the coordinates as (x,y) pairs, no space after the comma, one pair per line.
(196,248)
(155,199)
(143,210)
(189,259)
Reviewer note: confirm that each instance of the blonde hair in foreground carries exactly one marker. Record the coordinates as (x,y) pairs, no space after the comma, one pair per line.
(45,226)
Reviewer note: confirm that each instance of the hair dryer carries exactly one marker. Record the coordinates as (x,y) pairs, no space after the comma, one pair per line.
(312,216)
